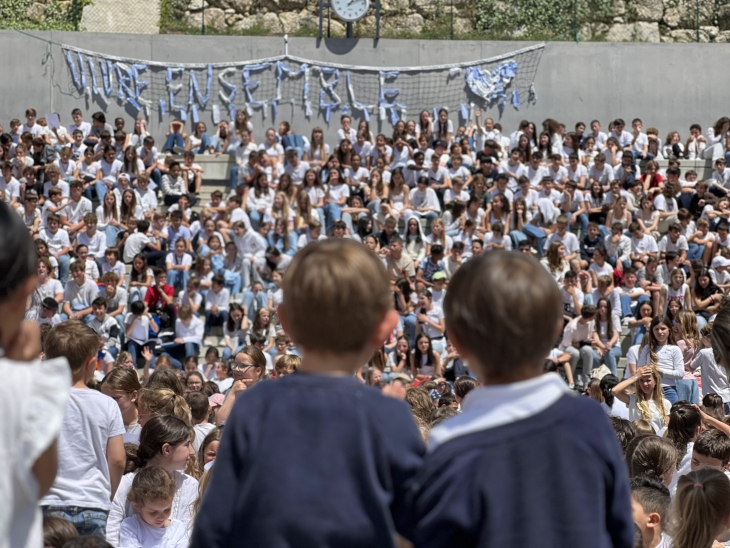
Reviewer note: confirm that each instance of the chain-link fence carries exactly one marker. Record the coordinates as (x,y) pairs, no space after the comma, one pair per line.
(579,20)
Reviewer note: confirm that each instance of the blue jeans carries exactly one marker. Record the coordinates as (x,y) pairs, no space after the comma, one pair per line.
(701,321)
(688,390)
(214,319)
(178,352)
(233,177)
(64,263)
(332,213)
(639,334)
(174,140)
(88,521)
(256,220)
(532,231)
(261,300)
(670,392)
(137,293)
(234,286)
(583,221)
(609,359)
(156,176)
(695,252)
(135,348)
(409,327)
(178,278)
(204,144)
(628,307)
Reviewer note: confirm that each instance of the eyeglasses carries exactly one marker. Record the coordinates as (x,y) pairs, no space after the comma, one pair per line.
(240,366)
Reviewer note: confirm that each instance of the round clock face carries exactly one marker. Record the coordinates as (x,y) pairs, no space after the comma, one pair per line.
(350,10)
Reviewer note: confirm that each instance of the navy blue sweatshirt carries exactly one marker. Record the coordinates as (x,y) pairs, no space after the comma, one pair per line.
(311,461)
(554,480)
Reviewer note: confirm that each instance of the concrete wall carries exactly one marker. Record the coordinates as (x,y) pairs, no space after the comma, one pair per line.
(669,86)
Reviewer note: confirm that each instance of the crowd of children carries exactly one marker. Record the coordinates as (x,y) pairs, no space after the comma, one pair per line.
(132,278)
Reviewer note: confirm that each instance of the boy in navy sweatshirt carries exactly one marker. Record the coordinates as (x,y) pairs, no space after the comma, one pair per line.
(316,458)
(526,463)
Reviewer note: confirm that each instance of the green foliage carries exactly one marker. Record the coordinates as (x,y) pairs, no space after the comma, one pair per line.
(54,15)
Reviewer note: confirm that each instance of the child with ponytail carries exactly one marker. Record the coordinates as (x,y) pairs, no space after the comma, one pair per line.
(701,509)
(153,402)
(165,442)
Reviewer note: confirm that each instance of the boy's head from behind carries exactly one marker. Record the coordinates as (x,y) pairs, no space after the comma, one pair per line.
(504,334)
(650,505)
(327,280)
(76,342)
(199,405)
(711,450)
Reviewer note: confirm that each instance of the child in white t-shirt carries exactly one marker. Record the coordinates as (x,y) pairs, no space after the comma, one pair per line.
(151,495)
(91,455)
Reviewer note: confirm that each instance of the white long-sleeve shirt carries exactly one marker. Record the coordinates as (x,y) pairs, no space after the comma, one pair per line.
(266,200)
(427,199)
(220,299)
(670,363)
(173,187)
(251,244)
(193,333)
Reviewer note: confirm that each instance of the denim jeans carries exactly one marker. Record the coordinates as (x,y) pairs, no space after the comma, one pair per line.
(670,392)
(173,140)
(609,358)
(234,176)
(178,352)
(135,349)
(156,176)
(261,300)
(332,213)
(628,307)
(215,319)
(639,334)
(64,264)
(178,278)
(256,219)
(688,390)
(137,293)
(409,327)
(695,252)
(532,231)
(88,521)
(204,144)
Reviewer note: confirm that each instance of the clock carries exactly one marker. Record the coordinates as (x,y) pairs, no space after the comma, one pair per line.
(350,10)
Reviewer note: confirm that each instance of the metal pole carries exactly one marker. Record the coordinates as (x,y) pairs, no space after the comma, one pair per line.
(286,45)
(452,19)
(697,18)
(76,15)
(349,31)
(202,20)
(576,36)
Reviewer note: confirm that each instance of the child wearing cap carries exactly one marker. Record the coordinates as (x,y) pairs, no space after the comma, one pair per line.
(350,466)
(469,493)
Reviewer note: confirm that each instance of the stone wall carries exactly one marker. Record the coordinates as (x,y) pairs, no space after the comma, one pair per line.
(624,21)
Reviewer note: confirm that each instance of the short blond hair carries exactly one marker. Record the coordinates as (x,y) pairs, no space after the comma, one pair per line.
(504,330)
(331,280)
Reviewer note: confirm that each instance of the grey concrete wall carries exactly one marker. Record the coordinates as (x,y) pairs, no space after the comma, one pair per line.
(669,86)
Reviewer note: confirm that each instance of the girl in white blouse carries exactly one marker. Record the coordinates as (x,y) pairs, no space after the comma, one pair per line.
(658,350)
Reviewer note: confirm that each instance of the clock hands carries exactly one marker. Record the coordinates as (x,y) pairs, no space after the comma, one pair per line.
(351,2)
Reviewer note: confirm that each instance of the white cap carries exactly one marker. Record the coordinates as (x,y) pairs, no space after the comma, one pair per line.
(719,262)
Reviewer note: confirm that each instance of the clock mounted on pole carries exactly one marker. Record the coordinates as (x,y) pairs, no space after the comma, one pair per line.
(350,11)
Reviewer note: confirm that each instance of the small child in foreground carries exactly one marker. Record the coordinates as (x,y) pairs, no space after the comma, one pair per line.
(346,469)
(481,484)
(151,495)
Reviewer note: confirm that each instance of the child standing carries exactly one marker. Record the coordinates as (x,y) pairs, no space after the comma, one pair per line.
(462,500)
(91,454)
(151,495)
(312,410)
